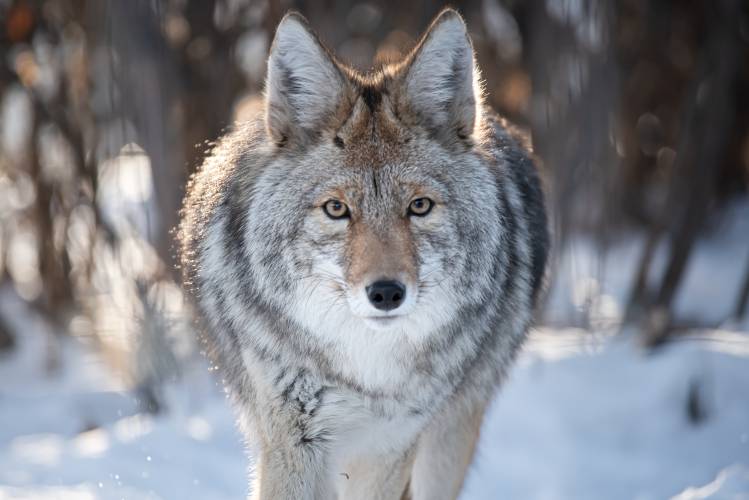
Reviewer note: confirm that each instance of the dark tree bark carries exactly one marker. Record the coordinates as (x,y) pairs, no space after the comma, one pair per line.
(704,144)
(742,303)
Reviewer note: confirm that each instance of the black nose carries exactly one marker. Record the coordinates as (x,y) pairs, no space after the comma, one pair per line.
(386,295)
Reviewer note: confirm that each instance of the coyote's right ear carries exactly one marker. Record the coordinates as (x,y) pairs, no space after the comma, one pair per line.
(303,86)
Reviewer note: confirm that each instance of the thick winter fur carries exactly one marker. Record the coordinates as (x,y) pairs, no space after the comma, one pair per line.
(337,401)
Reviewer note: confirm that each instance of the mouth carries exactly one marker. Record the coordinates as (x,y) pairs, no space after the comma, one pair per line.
(381,321)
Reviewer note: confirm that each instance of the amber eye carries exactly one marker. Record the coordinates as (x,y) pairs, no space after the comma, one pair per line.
(420,207)
(335,209)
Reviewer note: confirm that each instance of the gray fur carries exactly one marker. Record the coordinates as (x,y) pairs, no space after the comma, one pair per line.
(335,407)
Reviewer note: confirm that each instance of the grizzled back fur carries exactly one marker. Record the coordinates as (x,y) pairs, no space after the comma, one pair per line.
(279,281)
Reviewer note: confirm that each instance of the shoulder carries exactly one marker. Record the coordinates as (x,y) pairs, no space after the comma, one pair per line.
(505,133)
(522,169)
(230,164)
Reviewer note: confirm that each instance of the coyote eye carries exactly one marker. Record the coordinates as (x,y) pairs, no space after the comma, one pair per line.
(335,209)
(420,207)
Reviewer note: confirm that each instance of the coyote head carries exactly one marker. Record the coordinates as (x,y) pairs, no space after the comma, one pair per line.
(378,197)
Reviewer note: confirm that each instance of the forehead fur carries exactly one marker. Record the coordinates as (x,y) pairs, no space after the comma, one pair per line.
(431,90)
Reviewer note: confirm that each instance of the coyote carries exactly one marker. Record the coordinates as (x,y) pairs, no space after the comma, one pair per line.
(365,258)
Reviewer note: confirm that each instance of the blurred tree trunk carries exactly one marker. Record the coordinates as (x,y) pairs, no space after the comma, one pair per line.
(7,338)
(7,341)
(703,146)
(575,88)
(54,297)
(574,99)
(743,300)
(177,97)
(146,76)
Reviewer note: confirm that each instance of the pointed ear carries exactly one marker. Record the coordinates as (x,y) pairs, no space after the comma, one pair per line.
(441,82)
(303,86)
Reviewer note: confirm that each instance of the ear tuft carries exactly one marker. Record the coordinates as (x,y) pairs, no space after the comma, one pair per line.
(441,80)
(303,85)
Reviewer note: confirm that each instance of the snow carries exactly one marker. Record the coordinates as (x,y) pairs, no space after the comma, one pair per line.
(609,421)
(583,416)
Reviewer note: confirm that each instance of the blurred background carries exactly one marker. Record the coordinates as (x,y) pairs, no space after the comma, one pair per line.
(639,115)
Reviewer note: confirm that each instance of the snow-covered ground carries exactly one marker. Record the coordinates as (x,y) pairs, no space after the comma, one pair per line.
(583,416)
(586,418)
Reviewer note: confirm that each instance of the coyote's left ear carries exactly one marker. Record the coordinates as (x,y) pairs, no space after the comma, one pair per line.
(440,82)
(304,85)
